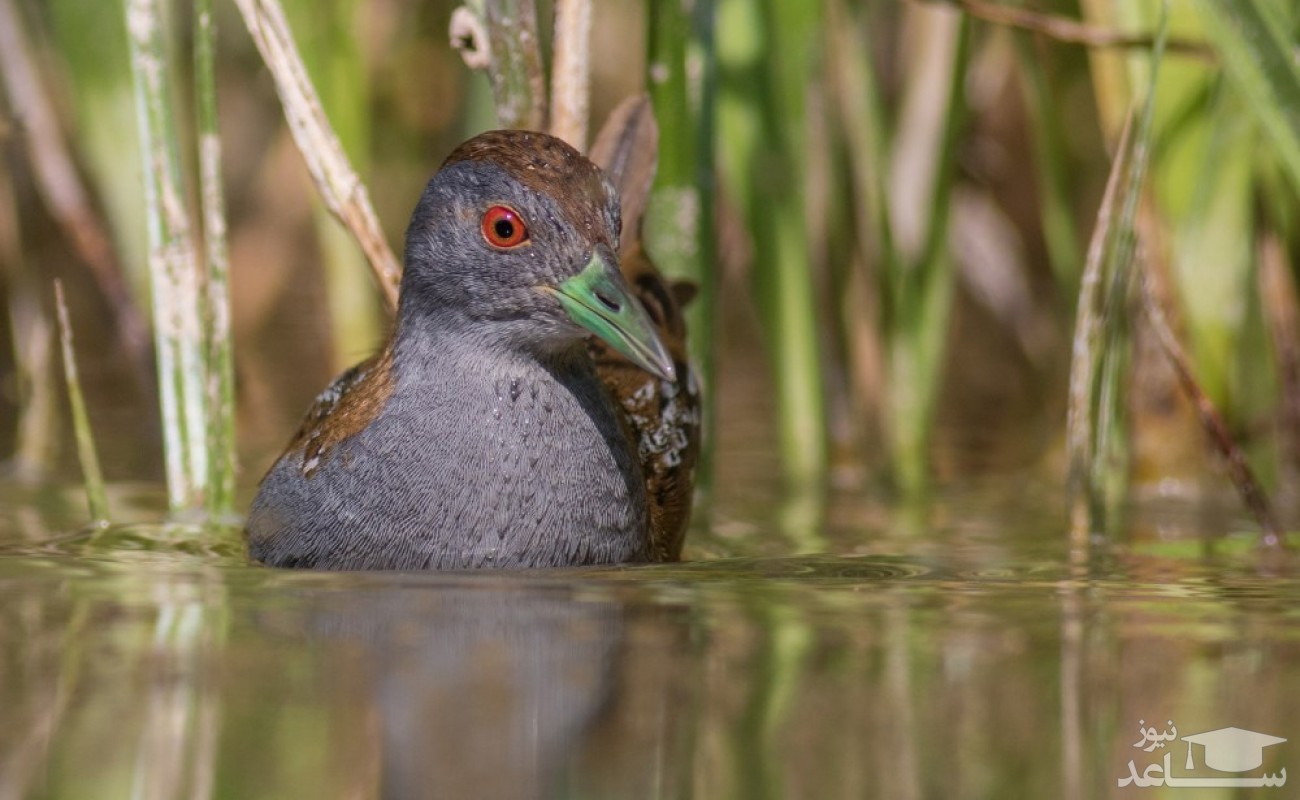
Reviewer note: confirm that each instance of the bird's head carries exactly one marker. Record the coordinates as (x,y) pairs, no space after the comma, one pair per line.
(516,238)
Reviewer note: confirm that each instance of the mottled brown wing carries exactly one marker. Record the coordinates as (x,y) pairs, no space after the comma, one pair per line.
(663,417)
(349,404)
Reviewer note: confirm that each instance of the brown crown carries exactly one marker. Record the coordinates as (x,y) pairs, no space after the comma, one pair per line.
(546,165)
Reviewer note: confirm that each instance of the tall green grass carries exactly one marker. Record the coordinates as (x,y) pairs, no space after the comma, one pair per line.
(765,53)
(215,301)
(191,311)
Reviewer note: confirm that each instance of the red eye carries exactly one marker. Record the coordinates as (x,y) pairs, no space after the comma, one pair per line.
(503,227)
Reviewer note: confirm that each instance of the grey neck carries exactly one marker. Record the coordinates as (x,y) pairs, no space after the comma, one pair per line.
(471,354)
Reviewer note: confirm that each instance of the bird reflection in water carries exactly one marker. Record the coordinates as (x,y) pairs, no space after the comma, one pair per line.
(508,693)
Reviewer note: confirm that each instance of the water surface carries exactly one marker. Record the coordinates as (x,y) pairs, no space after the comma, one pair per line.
(851,651)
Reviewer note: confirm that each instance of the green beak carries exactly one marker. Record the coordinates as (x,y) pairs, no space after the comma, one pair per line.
(599,300)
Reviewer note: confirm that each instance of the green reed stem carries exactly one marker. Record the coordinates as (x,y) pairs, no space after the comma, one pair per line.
(1085,366)
(173,267)
(96,496)
(679,230)
(216,300)
(1097,446)
(1110,470)
(761,118)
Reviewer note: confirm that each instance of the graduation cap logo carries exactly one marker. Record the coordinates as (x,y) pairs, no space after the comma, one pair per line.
(1226,750)
(1231,749)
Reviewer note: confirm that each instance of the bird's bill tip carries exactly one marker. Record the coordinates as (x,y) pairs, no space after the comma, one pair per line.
(599,300)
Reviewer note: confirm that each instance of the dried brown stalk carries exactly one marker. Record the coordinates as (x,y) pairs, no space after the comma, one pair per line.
(571,71)
(340,187)
(1243,477)
(1087,331)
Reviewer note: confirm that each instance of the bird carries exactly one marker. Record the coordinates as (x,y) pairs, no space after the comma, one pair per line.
(532,406)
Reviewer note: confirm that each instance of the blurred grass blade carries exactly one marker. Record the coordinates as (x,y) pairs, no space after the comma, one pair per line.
(173,269)
(1110,83)
(339,68)
(679,228)
(1259,56)
(58,179)
(340,188)
(96,496)
(761,117)
(216,328)
(1050,165)
(37,432)
(1215,153)
(861,235)
(97,89)
(857,95)
(922,178)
